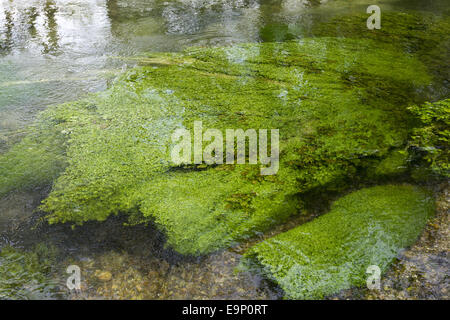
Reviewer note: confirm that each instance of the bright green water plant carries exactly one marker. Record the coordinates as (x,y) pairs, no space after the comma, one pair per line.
(339,105)
(332,253)
(432,136)
(424,35)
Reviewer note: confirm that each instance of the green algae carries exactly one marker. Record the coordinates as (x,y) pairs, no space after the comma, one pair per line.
(432,135)
(337,103)
(394,164)
(26,275)
(425,35)
(35,161)
(332,253)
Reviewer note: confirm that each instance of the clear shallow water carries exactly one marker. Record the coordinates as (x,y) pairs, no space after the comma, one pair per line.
(55,51)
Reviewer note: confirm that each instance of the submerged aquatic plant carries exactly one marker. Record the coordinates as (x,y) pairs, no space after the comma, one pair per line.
(432,136)
(339,105)
(332,253)
(26,275)
(415,33)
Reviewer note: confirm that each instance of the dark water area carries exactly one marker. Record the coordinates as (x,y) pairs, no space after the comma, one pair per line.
(55,51)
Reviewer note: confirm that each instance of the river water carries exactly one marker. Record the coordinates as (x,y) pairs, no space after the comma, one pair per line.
(54,51)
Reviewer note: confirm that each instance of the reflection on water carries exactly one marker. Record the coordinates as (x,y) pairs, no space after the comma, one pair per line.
(52,27)
(51,51)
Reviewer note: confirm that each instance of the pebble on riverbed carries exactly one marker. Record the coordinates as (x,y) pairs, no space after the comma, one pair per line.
(103,275)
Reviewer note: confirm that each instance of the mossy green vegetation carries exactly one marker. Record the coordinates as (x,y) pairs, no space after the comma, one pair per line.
(26,275)
(331,253)
(339,105)
(423,35)
(432,135)
(40,156)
